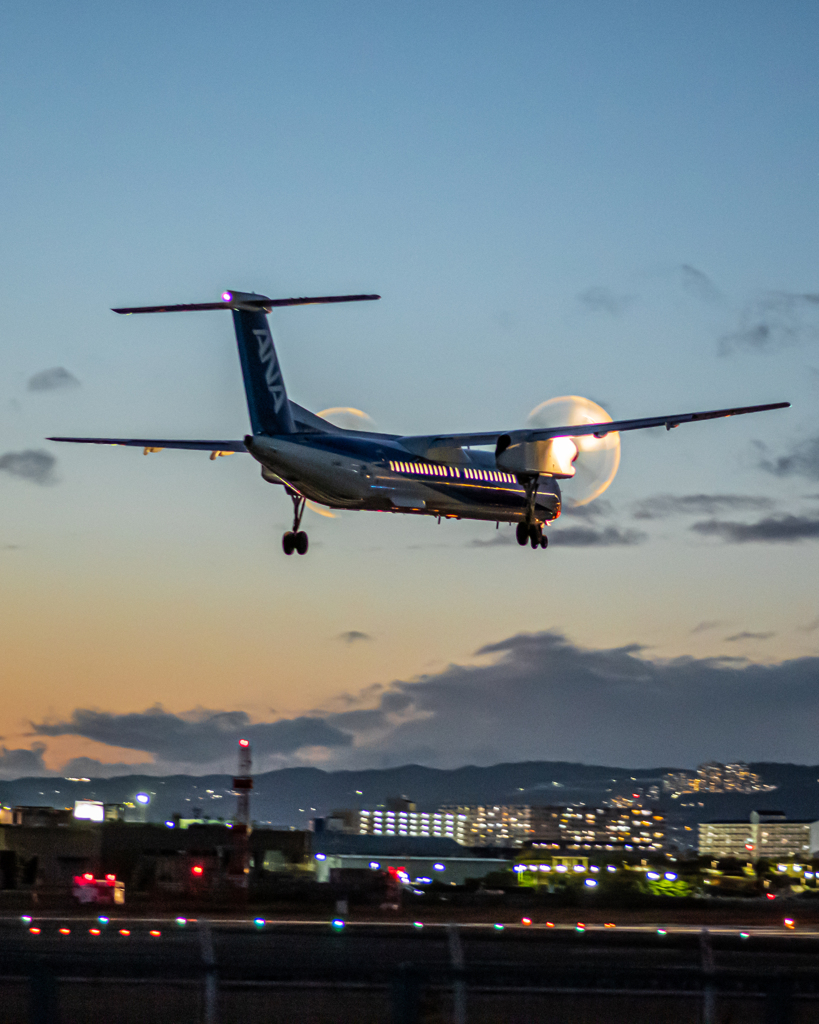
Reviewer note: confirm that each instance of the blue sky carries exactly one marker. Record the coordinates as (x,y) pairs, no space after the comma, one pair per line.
(616,200)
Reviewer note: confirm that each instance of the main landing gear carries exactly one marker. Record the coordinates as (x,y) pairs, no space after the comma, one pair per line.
(533,535)
(530,531)
(295,539)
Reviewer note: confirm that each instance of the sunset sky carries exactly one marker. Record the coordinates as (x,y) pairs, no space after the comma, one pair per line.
(612,199)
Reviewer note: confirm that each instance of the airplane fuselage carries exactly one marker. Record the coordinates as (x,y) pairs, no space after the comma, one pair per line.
(375,472)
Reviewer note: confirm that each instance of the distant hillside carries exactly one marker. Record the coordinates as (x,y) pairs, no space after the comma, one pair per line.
(293,796)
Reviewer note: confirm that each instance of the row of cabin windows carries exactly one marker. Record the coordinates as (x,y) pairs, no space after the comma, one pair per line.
(431,469)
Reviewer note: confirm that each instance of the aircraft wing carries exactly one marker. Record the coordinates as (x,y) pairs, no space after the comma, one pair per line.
(206,446)
(505,438)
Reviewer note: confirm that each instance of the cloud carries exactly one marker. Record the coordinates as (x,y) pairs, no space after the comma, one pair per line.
(698,284)
(602,300)
(353,635)
(586,537)
(90,767)
(703,627)
(774,321)
(16,764)
(748,636)
(569,537)
(594,510)
(662,506)
(196,737)
(781,529)
(54,379)
(810,627)
(32,465)
(539,696)
(803,460)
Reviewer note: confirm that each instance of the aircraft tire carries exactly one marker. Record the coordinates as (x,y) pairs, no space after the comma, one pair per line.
(289,543)
(522,534)
(301,542)
(544,541)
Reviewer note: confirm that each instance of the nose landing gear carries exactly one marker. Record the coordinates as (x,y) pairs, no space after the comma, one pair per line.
(295,539)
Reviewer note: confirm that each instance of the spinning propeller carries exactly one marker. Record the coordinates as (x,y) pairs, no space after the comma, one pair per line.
(597,458)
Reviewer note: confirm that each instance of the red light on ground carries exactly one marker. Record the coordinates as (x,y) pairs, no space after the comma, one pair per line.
(110,878)
(526,920)
(609,924)
(770,895)
(65,931)
(94,931)
(124,931)
(244,743)
(34,931)
(550,924)
(88,876)
(197,869)
(155,934)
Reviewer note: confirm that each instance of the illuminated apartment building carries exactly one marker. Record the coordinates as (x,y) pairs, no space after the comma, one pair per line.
(767,834)
(448,824)
(598,828)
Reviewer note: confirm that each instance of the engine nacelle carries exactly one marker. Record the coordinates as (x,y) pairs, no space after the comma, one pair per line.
(554,457)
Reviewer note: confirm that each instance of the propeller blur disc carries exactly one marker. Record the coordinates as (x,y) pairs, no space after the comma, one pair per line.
(598,458)
(348,418)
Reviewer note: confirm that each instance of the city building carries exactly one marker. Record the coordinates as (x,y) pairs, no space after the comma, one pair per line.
(417,860)
(598,828)
(633,827)
(767,834)
(492,824)
(714,777)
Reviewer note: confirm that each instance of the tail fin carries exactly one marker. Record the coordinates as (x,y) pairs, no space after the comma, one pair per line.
(267,400)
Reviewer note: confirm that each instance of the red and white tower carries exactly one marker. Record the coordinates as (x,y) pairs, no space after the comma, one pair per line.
(242,784)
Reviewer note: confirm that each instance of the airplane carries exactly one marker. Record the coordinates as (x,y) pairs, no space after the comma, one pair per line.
(442,475)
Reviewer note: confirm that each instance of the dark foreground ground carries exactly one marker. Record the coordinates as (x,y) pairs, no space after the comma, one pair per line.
(191,971)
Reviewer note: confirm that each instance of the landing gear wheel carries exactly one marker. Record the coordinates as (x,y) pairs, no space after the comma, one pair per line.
(289,543)
(301,542)
(544,541)
(522,534)
(535,533)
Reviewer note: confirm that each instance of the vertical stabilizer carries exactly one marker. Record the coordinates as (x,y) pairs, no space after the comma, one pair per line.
(266,394)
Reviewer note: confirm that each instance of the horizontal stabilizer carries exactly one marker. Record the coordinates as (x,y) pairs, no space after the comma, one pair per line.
(247,301)
(198,446)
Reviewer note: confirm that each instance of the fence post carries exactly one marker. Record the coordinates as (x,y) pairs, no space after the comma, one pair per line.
(405,1002)
(210,1009)
(709,992)
(44,1006)
(456,958)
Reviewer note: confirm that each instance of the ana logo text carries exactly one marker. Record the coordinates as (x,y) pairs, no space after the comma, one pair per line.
(273,375)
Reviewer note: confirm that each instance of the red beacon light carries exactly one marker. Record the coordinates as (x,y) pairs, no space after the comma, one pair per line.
(244,743)
(197,870)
